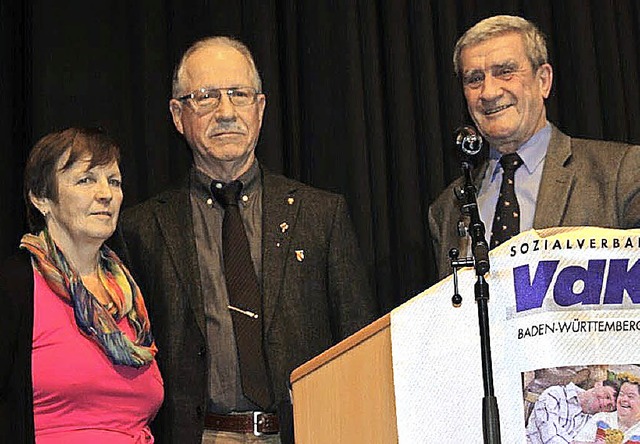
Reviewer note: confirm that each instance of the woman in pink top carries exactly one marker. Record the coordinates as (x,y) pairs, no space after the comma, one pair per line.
(76,352)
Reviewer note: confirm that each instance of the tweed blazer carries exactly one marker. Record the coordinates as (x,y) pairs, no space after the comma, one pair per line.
(310,303)
(584,183)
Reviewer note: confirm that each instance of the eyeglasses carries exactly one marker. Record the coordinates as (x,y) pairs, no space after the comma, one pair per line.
(209,98)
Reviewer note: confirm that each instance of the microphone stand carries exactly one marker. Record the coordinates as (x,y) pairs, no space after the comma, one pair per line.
(480,261)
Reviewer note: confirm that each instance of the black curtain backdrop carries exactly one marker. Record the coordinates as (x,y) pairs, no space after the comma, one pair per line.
(361,97)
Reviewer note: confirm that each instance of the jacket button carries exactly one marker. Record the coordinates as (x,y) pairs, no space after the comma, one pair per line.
(202,352)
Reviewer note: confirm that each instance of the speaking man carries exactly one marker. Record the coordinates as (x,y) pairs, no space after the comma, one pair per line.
(536,176)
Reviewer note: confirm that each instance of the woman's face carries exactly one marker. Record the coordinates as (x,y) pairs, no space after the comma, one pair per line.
(88,203)
(629,403)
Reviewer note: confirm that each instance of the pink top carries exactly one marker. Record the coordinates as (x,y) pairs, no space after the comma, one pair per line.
(79,396)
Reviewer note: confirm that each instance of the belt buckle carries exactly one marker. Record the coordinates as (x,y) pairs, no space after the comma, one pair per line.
(256,420)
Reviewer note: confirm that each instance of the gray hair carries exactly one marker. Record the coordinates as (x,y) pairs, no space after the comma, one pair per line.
(534,41)
(176,87)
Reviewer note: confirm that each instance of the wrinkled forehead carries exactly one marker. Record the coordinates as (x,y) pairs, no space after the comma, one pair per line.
(217,66)
(496,50)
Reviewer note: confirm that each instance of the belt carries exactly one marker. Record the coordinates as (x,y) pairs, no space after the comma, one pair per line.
(258,423)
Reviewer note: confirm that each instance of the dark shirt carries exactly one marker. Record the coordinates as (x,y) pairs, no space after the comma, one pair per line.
(225,389)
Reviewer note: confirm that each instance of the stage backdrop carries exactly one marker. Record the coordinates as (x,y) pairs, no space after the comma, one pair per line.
(361,98)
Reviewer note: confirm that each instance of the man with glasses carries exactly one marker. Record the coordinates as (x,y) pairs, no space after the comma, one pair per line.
(535,176)
(247,274)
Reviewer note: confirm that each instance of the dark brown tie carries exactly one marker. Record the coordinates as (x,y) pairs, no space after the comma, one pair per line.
(245,302)
(506,222)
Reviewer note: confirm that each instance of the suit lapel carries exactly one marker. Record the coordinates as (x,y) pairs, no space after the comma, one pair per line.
(175,221)
(556,182)
(478,174)
(280,207)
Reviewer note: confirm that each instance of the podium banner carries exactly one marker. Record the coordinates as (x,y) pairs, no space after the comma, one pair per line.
(564,309)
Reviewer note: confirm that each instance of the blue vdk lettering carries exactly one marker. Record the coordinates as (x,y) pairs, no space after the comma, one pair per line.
(621,279)
(531,294)
(592,278)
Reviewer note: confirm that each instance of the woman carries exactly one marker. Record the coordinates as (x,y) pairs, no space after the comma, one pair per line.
(621,426)
(76,355)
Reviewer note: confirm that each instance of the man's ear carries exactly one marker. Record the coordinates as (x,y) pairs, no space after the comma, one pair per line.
(545,76)
(176,113)
(262,103)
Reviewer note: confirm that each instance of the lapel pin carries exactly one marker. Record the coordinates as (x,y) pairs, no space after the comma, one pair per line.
(290,201)
(284,227)
(299,255)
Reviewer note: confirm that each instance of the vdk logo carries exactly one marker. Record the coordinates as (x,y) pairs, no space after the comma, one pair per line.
(577,285)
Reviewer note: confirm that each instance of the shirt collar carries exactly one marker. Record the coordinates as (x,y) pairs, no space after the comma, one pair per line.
(532,152)
(201,182)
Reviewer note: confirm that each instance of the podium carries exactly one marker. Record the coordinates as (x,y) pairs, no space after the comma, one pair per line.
(562,298)
(346,394)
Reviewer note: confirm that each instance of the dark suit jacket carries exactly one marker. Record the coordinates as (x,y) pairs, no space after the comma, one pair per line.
(308,305)
(584,183)
(16,339)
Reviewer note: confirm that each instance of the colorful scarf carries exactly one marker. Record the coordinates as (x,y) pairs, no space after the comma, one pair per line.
(92,318)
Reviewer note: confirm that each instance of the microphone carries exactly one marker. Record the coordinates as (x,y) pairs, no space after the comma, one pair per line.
(468,140)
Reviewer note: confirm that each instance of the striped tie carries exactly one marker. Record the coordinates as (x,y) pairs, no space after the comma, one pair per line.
(245,301)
